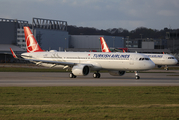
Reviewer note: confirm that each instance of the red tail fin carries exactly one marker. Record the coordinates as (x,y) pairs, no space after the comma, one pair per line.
(31,43)
(104,46)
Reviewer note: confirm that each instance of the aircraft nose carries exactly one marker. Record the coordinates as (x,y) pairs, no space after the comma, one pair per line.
(176,61)
(151,65)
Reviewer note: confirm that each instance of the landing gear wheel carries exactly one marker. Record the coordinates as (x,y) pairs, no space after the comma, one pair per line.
(137,77)
(167,69)
(96,75)
(72,75)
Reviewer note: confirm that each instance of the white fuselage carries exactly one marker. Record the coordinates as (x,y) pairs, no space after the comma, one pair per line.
(163,59)
(98,60)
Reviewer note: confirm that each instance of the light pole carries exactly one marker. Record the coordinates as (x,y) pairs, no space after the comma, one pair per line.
(66,43)
(113,41)
(127,41)
(141,36)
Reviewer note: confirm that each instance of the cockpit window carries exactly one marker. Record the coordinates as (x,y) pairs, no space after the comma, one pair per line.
(171,58)
(144,59)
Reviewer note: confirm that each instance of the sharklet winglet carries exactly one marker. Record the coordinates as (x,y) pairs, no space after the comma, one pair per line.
(13,54)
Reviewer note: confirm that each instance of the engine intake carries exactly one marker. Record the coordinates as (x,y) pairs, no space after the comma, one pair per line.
(117,73)
(80,70)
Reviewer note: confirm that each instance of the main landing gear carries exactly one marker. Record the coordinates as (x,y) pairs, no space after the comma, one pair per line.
(166,67)
(96,75)
(72,75)
(136,75)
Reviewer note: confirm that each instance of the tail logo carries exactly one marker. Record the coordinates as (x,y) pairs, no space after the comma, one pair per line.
(31,43)
(32,46)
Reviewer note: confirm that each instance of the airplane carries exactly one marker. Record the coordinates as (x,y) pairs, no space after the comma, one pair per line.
(81,63)
(158,59)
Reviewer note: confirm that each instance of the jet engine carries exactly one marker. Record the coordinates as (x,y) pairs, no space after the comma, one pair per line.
(53,51)
(80,70)
(117,73)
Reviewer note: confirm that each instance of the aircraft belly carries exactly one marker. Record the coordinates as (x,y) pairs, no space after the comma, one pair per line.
(159,62)
(51,65)
(114,65)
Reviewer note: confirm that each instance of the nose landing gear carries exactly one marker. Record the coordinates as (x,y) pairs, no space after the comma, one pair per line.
(136,75)
(72,75)
(166,67)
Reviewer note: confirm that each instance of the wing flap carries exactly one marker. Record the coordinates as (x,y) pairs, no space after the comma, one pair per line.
(58,62)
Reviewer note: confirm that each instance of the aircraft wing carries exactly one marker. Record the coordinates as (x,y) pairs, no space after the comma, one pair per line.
(50,62)
(16,56)
(57,62)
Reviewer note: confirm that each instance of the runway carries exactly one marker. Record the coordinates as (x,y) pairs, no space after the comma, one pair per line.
(42,79)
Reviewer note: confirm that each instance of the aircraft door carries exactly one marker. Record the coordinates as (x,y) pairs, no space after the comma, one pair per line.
(131,61)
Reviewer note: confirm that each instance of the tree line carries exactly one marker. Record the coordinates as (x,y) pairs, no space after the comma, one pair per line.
(140,32)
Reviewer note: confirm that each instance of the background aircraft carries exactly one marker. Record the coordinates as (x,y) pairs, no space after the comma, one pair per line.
(158,59)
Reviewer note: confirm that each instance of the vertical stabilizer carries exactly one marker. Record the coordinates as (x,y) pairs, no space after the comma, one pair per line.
(31,43)
(104,46)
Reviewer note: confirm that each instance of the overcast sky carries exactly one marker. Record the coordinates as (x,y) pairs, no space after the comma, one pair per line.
(100,14)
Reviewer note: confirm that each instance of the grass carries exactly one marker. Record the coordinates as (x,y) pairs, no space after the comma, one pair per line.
(89,103)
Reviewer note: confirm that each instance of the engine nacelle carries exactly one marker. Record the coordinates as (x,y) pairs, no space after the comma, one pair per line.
(80,70)
(117,73)
(53,51)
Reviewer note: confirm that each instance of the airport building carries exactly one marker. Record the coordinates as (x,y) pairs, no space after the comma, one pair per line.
(92,42)
(173,41)
(146,45)
(53,35)
(9,38)
(50,34)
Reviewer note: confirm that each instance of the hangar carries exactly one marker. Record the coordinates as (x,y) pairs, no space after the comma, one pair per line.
(53,35)
(50,34)
(92,42)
